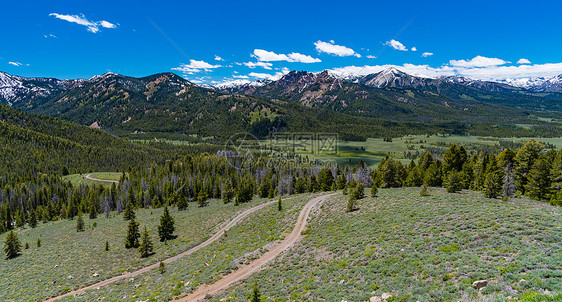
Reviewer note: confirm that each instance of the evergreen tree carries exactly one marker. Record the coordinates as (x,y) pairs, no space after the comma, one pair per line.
(129,213)
(351,203)
(359,191)
(182,203)
(93,212)
(325,179)
(145,248)
(202,198)
(162,267)
(38,242)
(556,176)
(132,239)
(524,160)
(227,192)
(244,193)
(166,227)
(12,245)
(388,174)
(414,178)
(453,159)
(374,191)
(279,205)
(79,224)
(106,245)
(453,182)
(32,219)
(493,181)
(432,177)
(538,185)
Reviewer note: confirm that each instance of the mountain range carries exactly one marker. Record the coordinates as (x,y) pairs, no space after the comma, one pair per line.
(384,103)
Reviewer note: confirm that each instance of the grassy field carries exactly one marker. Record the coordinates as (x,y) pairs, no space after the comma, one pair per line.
(78,179)
(241,244)
(68,259)
(374,150)
(419,249)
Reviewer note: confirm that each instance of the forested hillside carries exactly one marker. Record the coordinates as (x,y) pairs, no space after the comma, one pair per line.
(33,145)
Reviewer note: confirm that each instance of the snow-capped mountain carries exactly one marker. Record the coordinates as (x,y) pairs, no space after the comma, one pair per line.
(541,84)
(14,88)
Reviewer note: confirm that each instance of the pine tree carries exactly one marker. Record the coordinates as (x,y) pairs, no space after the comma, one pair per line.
(38,242)
(182,202)
(493,181)
(93,212)
(202,198)
(132,239)
(166,227)
(538,185)
(556,178)
(453,182)
(279,205)
(227,192)
(351,203)
(374,191)
(432,176)
(129,213)
(106,245)
(325,179)
(12,245)
(79,224)
(145,248)
(524,159)
(453,159)
(32,219)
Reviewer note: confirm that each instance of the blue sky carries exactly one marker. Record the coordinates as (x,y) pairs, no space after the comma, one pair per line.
(217,41)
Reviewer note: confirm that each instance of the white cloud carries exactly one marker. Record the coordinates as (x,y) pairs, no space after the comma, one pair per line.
(265,65)
(217,58)
(396,45)
(414,49)
(298,57)
(260,75)
(15,63)
(50,36)
(195,66)
(334,49)
(240,76)
(93,26)
(371,57)
(427,54)
(270,56)
(478,61)
(523,61)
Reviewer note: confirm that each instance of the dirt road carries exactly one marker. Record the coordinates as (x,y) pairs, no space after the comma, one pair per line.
(244,272)
(213,238)
(89,176)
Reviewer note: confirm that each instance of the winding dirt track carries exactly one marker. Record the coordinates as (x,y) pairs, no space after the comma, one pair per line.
(244,272)
(207,242)
(89,176)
